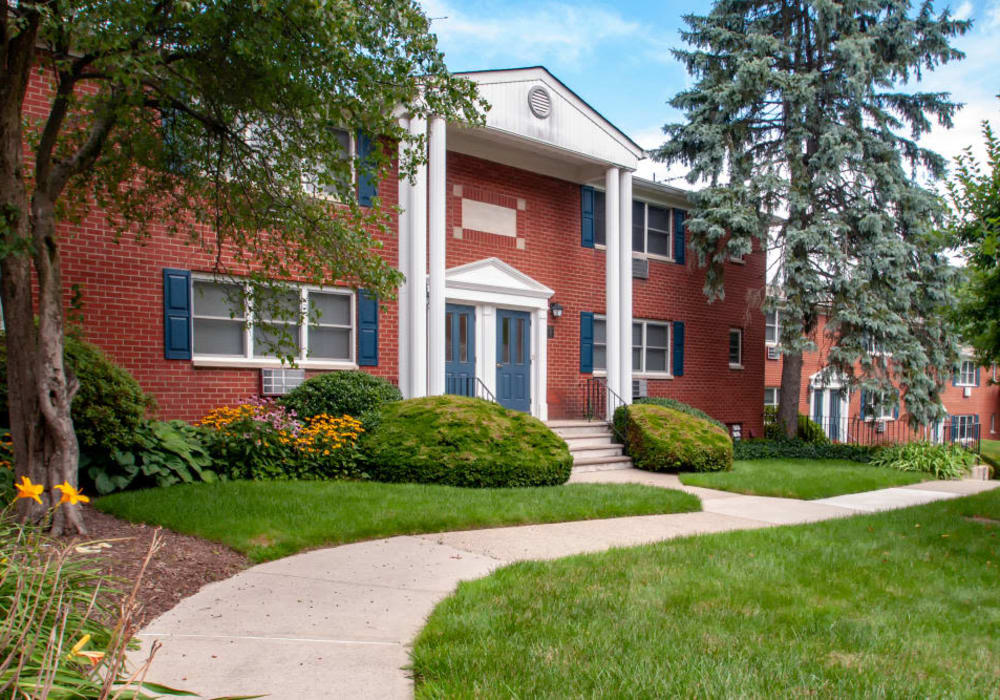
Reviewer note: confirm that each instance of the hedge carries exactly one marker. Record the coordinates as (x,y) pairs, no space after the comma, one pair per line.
(658,438)
(350,392)
(461,441)
(800,449)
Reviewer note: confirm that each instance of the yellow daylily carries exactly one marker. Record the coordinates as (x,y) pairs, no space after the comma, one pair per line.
(71,495)
(26,489)
(77,651)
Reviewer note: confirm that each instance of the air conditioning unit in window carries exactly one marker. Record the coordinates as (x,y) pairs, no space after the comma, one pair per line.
(640,388)
(880,426)
(773,353)
(276,382)
(640,268)
(967,392)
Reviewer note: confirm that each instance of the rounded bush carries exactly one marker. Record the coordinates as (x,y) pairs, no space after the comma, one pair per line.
(461,441)
(349,392)
(109,406)
(662,439)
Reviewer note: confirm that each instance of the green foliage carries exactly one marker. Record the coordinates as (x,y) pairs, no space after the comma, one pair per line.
(683,408)
(808,431)
(262,440)
(162,454)
(773,127)
(351,393)
(109,406)
(660,439)
(51,601)
(974,192)
(800,449)
(943,461)
(460,441)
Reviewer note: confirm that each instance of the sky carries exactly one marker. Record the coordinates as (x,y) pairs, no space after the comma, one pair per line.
(616,56)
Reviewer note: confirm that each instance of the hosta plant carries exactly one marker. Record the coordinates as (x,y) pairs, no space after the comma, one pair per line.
(942,461)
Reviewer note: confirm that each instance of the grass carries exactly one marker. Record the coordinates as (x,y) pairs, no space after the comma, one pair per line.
(270,520)
(807,479)
(991,450)
(900,604)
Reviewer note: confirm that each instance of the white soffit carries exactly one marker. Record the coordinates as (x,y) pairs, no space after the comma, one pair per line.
(569,124)
(494,275)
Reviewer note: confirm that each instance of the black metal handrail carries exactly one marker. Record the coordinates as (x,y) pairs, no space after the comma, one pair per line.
(599,402)
(483,392)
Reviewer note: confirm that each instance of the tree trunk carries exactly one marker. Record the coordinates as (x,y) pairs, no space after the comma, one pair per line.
(791,390)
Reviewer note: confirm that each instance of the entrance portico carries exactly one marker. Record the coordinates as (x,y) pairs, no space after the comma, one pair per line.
(537,125)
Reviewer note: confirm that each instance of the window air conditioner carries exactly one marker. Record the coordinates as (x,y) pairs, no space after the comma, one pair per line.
(967,392)
(773,353)
(640,268)
(880,426)
(640,388)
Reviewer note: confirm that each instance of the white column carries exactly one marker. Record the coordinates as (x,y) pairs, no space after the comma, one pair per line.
(417,345)
(403,295)
(436,184)
(612,270)
(625,284)
(541,361)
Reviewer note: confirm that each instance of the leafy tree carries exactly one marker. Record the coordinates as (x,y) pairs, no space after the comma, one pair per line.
(796,112)
(216,115)
(974,193)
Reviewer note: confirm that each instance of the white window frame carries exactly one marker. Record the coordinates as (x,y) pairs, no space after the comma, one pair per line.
(641,371)
(962,379)
(993,423)
(352,153)
(776,325)
(882,416)
(302,360)
(729,341)
(645,231)
(964,423)
(602,371)
(777,395)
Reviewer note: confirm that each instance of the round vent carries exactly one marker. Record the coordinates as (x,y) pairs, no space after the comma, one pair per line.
(539,102)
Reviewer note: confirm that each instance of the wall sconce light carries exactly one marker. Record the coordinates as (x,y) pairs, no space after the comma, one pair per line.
(556,309)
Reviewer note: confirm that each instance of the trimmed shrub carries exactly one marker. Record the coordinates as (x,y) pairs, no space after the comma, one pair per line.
(350,392)
(800,449)
(109,407)
(808,430)
(461,441)
(943,461)
(619,417)
(663,439)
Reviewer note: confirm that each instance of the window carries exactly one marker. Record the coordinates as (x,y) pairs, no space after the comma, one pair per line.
(333,190)
(600,344)
(967,374)
(877,406)
(651,230)
(771,396)
(993,422)
(736,348)
(223,327)
(650,347)
(772,328)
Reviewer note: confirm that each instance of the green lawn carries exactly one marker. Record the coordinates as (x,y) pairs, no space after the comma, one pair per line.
(901,604)
(802,478)
(269,520)
(990,449)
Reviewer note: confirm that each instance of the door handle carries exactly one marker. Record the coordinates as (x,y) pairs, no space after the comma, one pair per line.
(499,364)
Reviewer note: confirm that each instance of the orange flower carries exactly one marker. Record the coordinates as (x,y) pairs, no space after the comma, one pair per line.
(71,495)
(26,489)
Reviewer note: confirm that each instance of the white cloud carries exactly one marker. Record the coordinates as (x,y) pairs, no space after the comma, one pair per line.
(964,11)
(551,31)
(992,13)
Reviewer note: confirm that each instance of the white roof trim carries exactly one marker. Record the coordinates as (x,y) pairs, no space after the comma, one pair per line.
(495,276)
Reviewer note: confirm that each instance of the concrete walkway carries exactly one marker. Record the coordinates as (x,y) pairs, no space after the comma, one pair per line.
(336,623)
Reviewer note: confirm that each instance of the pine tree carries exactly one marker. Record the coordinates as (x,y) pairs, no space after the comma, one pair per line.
(798,114)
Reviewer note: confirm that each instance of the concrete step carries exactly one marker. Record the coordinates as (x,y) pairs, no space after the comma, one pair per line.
(601,464)
(588,440)
(607,450)
(581,429)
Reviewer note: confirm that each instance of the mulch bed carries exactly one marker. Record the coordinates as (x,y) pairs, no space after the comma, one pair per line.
(181,567)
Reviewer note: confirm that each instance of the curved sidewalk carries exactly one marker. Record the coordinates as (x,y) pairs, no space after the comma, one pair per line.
(337,623)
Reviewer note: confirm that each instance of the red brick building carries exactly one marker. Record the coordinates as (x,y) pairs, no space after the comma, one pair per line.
(971,398)
(535,261)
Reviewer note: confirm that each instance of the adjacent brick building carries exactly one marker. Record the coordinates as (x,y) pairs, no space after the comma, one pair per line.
(540,261)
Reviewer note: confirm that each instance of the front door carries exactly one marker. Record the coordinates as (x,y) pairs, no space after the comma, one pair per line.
(514,359)
(833,431)
(460,350)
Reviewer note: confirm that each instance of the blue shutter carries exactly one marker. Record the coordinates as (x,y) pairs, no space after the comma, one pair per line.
(586,342)
(176,314)
(367,189)
(678,348)
(977,376)
(864,400)
(587,217)
(367,329)
(896,412)
(679,235)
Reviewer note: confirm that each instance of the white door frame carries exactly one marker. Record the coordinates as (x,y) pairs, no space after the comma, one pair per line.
(834,383)
(492,284)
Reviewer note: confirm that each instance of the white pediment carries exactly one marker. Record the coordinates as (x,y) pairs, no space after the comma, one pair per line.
(565,121)
(495,276)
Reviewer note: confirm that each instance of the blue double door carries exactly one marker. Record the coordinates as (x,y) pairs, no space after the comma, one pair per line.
(513,355)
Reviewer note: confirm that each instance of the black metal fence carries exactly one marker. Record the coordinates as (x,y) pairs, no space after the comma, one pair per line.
(865,431)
